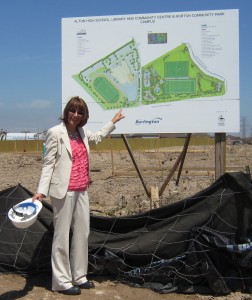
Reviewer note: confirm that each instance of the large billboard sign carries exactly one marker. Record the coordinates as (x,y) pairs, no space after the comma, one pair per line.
(168,72)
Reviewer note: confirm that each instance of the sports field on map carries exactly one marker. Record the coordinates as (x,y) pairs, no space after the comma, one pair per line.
(106,89)
(177,86)
(175,69)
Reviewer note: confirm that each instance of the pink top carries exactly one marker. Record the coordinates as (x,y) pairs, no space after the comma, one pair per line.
(79,173)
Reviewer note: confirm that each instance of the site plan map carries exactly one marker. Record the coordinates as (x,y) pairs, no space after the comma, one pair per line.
(119,81)
(168,72)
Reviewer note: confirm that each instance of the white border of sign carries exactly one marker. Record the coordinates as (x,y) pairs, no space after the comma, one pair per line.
(212,38)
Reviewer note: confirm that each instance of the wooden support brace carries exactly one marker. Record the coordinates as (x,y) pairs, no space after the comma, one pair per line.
(154,203)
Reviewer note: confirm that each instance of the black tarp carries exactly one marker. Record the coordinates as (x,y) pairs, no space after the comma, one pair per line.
(200,244)
(24,251)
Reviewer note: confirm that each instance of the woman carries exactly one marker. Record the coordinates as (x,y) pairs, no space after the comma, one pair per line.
(65,178)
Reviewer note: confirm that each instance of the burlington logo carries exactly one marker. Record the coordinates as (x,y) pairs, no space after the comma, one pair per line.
(150,122)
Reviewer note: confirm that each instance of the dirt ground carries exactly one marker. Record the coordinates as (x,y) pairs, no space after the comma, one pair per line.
(117,190)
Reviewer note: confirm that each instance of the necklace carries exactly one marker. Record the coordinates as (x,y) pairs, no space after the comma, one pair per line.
(73,136)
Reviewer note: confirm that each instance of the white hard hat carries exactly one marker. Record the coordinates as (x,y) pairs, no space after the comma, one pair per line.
(25,213)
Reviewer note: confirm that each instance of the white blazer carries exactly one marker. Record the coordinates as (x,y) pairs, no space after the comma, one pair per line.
(57,163)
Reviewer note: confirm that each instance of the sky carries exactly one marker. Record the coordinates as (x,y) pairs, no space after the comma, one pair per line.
(30,53)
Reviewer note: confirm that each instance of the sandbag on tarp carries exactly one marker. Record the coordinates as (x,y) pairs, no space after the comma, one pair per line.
(200,244)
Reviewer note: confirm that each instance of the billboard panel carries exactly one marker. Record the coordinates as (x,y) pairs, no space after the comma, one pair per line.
(169,72)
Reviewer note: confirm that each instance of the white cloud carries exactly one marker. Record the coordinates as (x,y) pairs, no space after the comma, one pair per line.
(34,104)
(40,104)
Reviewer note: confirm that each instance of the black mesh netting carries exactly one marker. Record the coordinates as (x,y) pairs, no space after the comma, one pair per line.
(200,244)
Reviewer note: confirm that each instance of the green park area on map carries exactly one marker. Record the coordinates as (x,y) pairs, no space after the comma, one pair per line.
(119,81)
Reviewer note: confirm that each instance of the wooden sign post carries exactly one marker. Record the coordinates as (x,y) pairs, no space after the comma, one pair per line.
(220,154)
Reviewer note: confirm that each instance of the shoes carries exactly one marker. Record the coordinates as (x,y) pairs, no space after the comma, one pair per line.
(87,285)
(74,290)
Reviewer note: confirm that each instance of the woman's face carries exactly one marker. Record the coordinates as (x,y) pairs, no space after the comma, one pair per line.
(74,117)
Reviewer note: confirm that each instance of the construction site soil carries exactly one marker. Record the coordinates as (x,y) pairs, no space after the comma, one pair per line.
(117,190)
